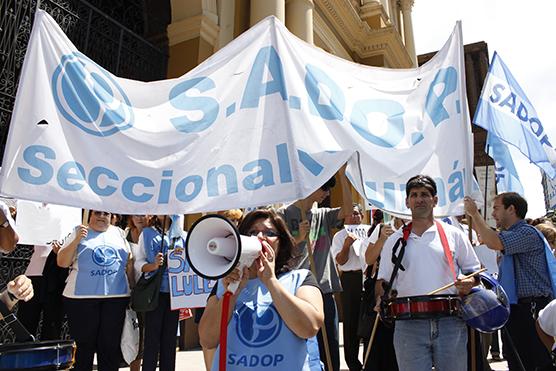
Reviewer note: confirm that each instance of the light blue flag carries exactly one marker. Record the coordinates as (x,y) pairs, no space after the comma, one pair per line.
(507,178)
(505,112)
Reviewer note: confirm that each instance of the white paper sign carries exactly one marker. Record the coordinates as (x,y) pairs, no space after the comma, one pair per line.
(38,223)
(187,289)
(360,230)
(267,119)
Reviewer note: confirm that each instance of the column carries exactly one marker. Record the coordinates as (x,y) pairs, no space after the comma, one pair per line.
(261,9)
(386,6)
(226,12)
(299,18)
(406,6)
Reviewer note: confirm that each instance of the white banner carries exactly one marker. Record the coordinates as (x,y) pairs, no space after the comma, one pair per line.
(38,223)
(187,289)
(268,118)
(360,230)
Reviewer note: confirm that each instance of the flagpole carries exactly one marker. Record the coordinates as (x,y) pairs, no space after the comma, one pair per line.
(486,187)
(308,243)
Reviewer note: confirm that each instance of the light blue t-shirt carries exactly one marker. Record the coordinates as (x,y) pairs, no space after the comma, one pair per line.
(99,266)
(258,338)
(152,241)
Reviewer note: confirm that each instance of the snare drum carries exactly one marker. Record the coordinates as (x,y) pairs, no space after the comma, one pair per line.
(40,355)
(422,307)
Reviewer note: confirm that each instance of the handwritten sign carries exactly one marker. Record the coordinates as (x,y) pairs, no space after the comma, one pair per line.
(187,289)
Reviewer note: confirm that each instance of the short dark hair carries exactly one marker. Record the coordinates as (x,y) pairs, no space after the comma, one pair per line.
(378,216)
(512,198)
(329,184)
(287,243)
(420,181)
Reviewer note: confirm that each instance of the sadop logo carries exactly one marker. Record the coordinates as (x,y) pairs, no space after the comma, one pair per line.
(104,255)
(257,331)
(89,97)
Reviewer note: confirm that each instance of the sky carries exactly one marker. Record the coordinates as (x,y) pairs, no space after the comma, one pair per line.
(522,34)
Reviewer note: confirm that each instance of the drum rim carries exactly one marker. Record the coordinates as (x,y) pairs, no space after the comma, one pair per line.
(423,299)
(36,346)
(426,297)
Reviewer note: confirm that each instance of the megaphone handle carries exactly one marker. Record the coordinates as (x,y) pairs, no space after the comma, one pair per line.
(233,286)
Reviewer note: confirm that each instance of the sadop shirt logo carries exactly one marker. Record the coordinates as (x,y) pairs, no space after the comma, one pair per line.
(258,338)
(99,266)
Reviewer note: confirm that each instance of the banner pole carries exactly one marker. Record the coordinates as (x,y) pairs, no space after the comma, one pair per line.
(486,188)
(373,333)
(314,271)
(85,220)
(471,330)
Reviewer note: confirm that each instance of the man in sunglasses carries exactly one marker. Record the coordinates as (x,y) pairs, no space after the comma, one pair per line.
(301,218)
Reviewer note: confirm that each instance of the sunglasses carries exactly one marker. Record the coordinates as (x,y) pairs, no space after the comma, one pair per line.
(101,213)
(267,233)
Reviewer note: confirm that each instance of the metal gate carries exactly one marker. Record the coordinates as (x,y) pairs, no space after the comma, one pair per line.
(113,44)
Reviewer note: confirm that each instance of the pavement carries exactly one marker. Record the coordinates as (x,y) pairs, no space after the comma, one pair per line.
(193,359)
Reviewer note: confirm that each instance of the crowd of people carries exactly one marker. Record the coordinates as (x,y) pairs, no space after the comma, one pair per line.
(284,314)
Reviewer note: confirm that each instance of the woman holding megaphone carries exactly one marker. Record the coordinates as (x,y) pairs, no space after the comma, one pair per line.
(276,311)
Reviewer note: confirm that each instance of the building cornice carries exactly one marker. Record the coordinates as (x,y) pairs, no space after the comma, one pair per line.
(373,9)
(323,31)
(363,41)
(190,28)
(184,30)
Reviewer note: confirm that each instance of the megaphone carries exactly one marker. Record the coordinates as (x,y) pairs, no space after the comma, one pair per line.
(214,248)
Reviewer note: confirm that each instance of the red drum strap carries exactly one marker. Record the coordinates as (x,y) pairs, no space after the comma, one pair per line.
(443,240)
(446,248)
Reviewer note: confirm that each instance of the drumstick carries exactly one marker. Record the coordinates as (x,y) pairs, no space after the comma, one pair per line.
(371,340)
(85,217)
(453,283)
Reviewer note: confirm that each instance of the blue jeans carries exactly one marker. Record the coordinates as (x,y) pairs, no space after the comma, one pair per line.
(421,343)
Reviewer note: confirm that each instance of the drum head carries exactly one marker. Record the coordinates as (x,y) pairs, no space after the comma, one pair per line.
(40,355)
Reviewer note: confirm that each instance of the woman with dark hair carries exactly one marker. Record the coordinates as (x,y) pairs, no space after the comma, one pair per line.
(135,225)
(275,313)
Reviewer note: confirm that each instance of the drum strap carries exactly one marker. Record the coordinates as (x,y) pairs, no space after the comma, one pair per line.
(20,332)
(397,259)
(446,248)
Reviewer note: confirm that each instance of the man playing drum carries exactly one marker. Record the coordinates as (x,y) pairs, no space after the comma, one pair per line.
(432,333)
